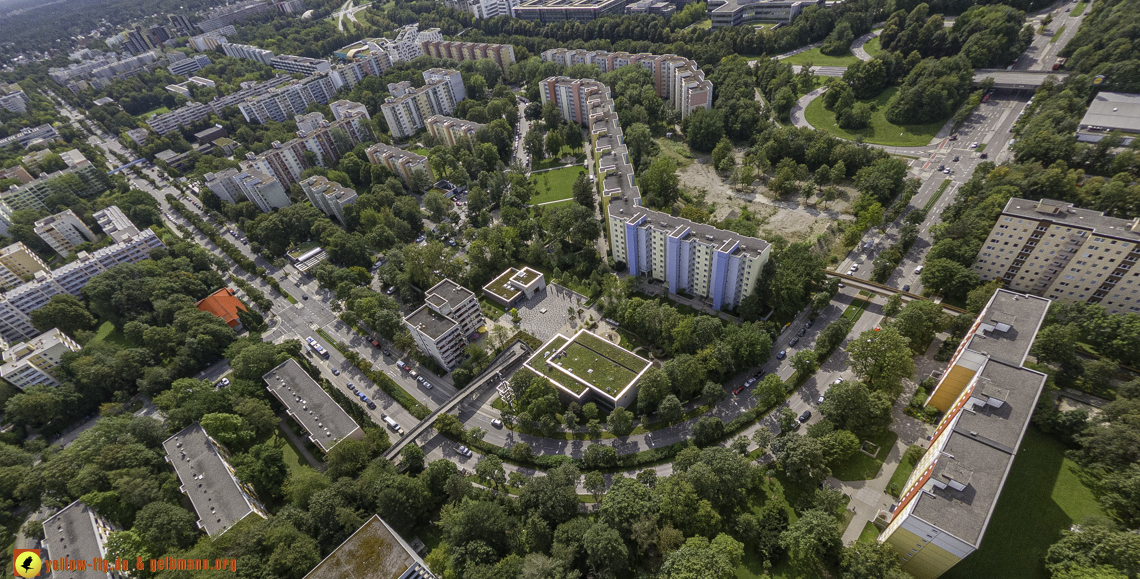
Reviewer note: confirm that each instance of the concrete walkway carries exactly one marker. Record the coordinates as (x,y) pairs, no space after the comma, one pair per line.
(857,46)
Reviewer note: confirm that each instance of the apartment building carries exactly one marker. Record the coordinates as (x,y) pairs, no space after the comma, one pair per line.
(442,325)
(18,172)
(372,61)
(407,109)
(80,177)
(78,533)
(115,223)
(263,190)
(484,8)
(328,196)
(343,109)
(189,65)
(449,129)
(283,102)
(677,80)
(213,39)
(247,52)
(311,407)
(13,98)
(34,362)
(502,54)
(561,10)
(1051,248)
(402,163)
(193,112)
(31,136)
(63,231)
(19,264)
(736,12)
(17,304)
(299,64)
(988,398)
(375,545)
(219,498)
(223,16)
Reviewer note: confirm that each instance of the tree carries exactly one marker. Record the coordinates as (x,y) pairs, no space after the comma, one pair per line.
(413,456)
(708,430)
(812,537)
(264,467)
(948,277)
(227,429)
(783,101)
(600,456)
(852,406)
(787,421)
(255,360)
(893,306)
(63,311)
(872,560)
(491,469)
(584,191)
(769,392)
(437,205)
(881,358)
(554,143)
(533,111)
(572,135)
(712,393)
(804,361)
(348,458)
(605,550)
(918,322)
(165,527)
(670,409)
(762,438)
(620,422)
(1096,544)
(640,143)
(659,184)
(533,145)
(803,459)
(704,129)
(595,484)
(699,558)
(722,152)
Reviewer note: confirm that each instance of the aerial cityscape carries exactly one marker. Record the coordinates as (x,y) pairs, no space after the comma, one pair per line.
(570,289)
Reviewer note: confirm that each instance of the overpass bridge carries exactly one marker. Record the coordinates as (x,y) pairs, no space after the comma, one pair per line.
(888,291)
(508,359)
(1016,79)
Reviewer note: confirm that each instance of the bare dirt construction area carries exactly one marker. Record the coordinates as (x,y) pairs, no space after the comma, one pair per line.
(788,218)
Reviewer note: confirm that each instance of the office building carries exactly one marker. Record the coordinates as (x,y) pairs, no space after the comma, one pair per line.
(502,54)
(651,7)
(63,231)
(403,163)
(722,267)
(442,325)
(561,10)
(189,65)
(988,399)
(484,8)
(374,551)
(29,136)
(225,15)
(1112,111)
(299,64)
(78,533)
(407,109)
(34,362)
(13,98)
(19,264)
(115,223)
(328,196)
(1053,249)
(677,80)
(202,465)
(449,129)
(736,12)
(17,304)
(315,411)
(247,52)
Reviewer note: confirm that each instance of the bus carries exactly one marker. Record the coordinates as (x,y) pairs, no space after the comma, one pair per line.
(1060,63)
(315,347)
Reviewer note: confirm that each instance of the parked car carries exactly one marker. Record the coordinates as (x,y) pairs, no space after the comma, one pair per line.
(805,416)
(401,365)
(371,405)
(974,145)
(496,423)
(801,332)
(464,451)
(955,158)
(838,381)
(738,389)
(794,341)
(783,354)
(335,372)
(809,323)
(427,385)
(820,401)
(918,269)
(374,342)
(304,296)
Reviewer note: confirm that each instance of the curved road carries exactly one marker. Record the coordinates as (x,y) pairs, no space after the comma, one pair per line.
(857,46)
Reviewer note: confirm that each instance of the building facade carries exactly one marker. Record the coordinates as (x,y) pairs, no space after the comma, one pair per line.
(19,264)
(484,8)
(283,102)
(651,7)
(328,196)
(34,362)
(247,52)
(189,65)
(988,398)
(299,64)
(407,109)
(13,98)
(1053,249)
(31,136)
(561,10)
(88,180)
(502,54)
(63,231)
(678,80)
(402,163)
(442,325)
(450,129)
(736,12)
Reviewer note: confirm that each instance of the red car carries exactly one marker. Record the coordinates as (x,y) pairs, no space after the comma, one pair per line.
(374,342)
(738,390)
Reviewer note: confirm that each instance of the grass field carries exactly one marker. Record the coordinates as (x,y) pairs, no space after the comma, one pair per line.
(1043,496)
(817,58)
(111,335)
(855,310)
(677,151)
(880,131)
(873,47)
(902,472)
(1079,8)
(290,453)
(863,467)
(151,113)
(870,532)
(554,185)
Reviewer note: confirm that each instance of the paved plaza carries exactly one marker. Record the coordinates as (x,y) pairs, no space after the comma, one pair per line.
(554,300)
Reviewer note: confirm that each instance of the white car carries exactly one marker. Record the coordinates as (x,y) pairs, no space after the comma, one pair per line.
(918,269)
(496,423)
(464,451)
(974,145)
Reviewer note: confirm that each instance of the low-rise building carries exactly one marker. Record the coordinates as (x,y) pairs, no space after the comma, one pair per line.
(247,52)
(442,326)
(78,533)
(315,411)
(225,305)
(374,551)
(304,262)
(18,264)
(328,196)
(449,129)
(299,64)
(13,98)
(29,136)
(189,65)
(736,12)
(34,362)
(203,468)
(515,285)
(115,223)
(63,231)
(589,368)
(402,163)
(18,173)
(1112,111)
(651,7)
(988,398)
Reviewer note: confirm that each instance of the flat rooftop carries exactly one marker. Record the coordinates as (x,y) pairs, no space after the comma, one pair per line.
(502,287)
(374,551)
(1114,111)
(1064,213)
(218,497)
(1008,325)
(77,533)
(431,323)
(454,293)
(325,421)
(587,360)
(526,277)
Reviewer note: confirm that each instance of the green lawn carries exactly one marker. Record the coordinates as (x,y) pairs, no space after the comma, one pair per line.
(554,185)
(855,310)
(1057,35)
(869,534)
(677,151)
(863,467)
(817,58)
(705,24)
(937,194)
(292,456)
(1043,496)
(873,47)
(880,131)
(1079,8)
(153,112)
(902,472)
(108,333)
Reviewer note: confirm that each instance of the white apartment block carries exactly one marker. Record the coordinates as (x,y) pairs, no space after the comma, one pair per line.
(1051,248)
(299,64)
(452,76)
(407,109)
(441,326)
(247,52)
(502,54)
(192,112)
(115,223)
(18,303)
(32,195)
(63,231)
(677,79)
(256,186)
(31,136)
(18,264)
(212,39)
(189,65)
(13,98)
(328,196)
(33,363)
(402,163)
(283,102)
(449,129)
(345,109)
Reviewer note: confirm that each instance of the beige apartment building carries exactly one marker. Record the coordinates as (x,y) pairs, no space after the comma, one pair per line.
(401,162)
(1052,249)
(19,264)
(34,362)
(449,129)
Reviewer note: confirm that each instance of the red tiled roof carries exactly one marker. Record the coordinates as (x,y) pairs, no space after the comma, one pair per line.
(223,304)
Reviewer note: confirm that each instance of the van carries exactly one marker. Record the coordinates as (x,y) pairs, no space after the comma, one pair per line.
(392,424)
